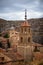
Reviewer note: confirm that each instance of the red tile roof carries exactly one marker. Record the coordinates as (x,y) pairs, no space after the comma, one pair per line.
(36,44)
(6,58)
(38,55)
(25,24)
(14,56)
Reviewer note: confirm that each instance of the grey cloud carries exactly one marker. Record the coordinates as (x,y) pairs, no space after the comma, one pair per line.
(7,6)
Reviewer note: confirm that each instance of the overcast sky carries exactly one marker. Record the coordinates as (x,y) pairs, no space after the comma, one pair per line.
(15,9)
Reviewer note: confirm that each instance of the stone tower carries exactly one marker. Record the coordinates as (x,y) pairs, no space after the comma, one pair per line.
(25,32)
(13,37)
(24,46)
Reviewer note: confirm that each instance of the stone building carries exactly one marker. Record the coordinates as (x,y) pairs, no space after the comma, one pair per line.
(13,37)
(25,35)
(3,43)
(4,60)
(38,56)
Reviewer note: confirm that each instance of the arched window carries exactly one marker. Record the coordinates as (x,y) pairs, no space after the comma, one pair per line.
(29,39)
(29,30)
(0,44)
(8,44)
(21,39)
(25,29)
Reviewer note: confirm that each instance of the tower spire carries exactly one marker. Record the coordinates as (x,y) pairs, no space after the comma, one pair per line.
(25,14)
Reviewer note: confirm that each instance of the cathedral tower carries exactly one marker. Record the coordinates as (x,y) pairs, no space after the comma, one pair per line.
(24,46)
(25,32)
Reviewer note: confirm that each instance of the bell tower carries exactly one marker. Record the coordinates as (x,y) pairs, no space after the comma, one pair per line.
(25,32)
(25,40)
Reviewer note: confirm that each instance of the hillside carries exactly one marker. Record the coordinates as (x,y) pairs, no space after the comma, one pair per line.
(36,27)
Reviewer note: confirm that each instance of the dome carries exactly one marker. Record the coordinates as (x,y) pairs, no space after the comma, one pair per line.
(12,28)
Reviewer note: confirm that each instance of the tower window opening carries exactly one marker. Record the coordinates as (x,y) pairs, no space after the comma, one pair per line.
(25,29)
(21,39)
(29,29)
(29,39)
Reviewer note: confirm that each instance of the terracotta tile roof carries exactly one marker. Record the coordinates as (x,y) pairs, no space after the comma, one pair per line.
(25,24)
(6,58)
(38,55)
(3,40)
(2,50)
(37,44)
(14,56)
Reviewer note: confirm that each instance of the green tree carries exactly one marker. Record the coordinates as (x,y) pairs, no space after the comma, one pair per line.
(6,35)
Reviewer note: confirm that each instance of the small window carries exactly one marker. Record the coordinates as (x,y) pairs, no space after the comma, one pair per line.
(2,58)
(29,29)
(12,33)
(21,39)
(25,29)
(29,39)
